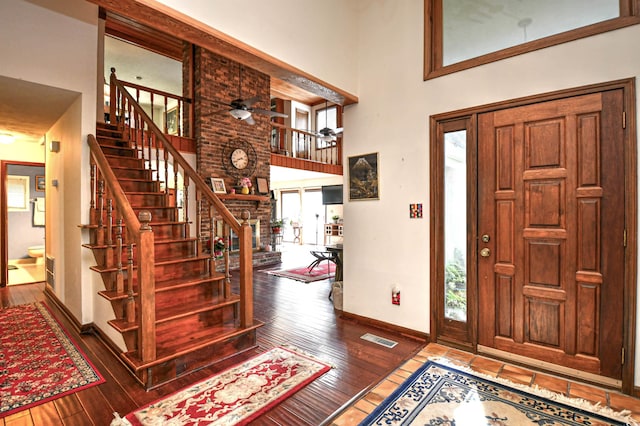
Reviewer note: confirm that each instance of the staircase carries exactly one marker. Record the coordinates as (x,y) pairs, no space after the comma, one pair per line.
(175,311)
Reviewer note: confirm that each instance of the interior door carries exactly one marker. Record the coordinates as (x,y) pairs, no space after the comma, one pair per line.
(551,232)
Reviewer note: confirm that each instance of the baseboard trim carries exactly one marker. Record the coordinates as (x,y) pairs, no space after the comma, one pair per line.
(407,332)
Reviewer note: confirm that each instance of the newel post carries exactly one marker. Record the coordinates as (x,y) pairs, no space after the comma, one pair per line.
(146,289)
(246,272)
(112,97)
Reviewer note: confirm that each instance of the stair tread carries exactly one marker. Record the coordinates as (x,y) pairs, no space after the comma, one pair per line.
(179,311)
(190,258)
(165,354)
(156,241)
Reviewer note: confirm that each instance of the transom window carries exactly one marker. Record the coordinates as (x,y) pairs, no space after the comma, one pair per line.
(326,117)
(461,34)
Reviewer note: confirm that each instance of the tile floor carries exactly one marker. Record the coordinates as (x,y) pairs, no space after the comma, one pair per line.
(357,411)
(28,271)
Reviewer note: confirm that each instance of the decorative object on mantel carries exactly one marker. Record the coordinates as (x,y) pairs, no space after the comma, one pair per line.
(335,218)
(263,186)
(217,184)
(244,184)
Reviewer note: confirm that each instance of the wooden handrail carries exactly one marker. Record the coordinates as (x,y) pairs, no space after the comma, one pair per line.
(143,237)
(193,175)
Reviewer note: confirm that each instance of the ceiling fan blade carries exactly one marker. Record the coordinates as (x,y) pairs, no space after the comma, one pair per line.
(269,113)
(250,120)
(338,130)
(249,102)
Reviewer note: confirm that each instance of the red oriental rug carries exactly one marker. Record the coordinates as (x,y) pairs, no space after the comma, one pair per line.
(38,361)
(320,272)
(235,396)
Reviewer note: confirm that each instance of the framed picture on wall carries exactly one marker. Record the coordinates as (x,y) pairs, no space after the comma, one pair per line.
(172,121)
(217,184)
(363,177)
(263,185)
(40,183)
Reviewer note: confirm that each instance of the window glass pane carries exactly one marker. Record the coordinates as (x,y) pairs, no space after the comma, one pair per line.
(18,193)
(473,28)
(455,225)
(326,117)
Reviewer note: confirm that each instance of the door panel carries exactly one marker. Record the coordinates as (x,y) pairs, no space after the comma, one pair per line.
(550,195)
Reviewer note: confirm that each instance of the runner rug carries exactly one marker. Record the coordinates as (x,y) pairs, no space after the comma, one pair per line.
(442,395)
(38,361)
(235,396)
(320,272)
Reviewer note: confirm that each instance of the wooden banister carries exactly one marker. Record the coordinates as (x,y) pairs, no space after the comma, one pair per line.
(148,140)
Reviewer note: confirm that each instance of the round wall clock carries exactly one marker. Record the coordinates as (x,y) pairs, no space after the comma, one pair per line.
(239,158)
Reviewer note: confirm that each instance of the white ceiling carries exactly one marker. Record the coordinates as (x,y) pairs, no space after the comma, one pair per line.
(28,110)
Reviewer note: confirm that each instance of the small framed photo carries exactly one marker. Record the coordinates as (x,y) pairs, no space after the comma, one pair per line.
(263,185)
(217,185)
(172,121)
(40,183)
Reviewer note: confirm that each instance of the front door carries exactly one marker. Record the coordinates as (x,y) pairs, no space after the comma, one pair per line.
(551,231)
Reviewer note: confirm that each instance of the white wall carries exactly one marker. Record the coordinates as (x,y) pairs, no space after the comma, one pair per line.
(320,40)
(54,43)
(392,119)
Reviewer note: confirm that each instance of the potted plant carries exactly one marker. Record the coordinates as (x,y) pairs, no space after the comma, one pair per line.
(335,218)
(276,225)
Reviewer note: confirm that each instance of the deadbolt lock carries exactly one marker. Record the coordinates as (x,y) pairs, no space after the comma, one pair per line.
(485,238)
(485,252)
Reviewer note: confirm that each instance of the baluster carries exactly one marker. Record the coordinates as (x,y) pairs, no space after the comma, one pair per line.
(175,187)
(150,138)
(130,303)
(166,181)
(212,236)
(226,236)
(199,236)
(166,130)
(157,143)
(92,209)
(152,108)
(100,230)
(109,251)
(185,205)
(119,253)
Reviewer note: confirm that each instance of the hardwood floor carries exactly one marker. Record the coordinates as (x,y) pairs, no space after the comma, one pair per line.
(298,315)
(295,314)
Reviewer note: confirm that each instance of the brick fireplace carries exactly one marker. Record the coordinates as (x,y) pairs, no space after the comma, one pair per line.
(216,84)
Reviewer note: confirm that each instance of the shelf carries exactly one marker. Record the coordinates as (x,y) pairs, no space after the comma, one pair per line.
(243,197)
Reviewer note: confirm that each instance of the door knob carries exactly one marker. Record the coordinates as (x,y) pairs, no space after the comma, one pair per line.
(485,252)
(485,238)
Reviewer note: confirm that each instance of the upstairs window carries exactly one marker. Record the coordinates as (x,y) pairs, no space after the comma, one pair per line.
(461,34)
(326,117)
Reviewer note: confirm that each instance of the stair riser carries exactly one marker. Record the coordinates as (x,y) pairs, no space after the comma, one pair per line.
(149,199)
(187,269)
(164,251)
(139,186)
(212,291)
(132,163)
(159,214)
(170,333)
(132,173)
(169,231)
(210,355)
(119,151)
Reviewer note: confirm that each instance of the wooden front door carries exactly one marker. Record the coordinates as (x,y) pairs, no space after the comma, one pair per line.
(551,232)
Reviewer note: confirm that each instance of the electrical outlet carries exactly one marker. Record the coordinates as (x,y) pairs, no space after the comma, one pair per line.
(395,296)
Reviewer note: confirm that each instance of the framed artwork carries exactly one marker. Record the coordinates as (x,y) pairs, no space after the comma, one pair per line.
(263,185)
(217,185)
(363,177)
(40,183)
(172,121)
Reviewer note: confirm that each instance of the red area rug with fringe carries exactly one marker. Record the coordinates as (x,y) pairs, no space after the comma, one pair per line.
(38,361)
(236,396)
(304,274)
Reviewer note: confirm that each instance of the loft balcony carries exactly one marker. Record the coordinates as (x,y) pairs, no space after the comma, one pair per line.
(302,150)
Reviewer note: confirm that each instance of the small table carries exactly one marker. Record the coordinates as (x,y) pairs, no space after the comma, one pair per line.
(337,249)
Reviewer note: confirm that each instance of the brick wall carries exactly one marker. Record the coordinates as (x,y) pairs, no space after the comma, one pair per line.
(215,85)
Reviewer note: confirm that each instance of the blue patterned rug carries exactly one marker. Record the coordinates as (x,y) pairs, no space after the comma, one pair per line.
(438,394)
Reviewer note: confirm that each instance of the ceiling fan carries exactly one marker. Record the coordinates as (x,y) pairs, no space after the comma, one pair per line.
(327,134)
(242,109)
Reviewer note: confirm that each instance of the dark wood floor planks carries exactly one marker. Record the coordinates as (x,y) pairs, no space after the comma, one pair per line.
(295,315)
